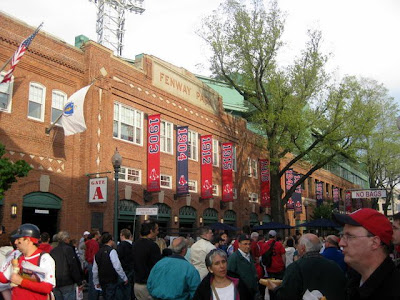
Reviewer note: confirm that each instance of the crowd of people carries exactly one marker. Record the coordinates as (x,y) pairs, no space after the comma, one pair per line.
(360,263)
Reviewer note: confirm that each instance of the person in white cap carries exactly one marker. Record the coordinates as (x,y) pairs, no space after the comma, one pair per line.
(277,267)
(82,248)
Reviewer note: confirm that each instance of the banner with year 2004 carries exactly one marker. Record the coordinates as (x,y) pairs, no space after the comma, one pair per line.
(153,153)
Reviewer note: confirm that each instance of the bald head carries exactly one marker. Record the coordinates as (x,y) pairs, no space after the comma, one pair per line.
(309,243)
(332,241)
(179,246)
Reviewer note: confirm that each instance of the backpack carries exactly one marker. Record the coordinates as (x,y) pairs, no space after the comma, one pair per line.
(266,258)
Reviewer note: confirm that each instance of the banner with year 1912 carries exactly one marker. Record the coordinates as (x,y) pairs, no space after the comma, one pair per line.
(227,168)
(206,166)
(153,153)
(182,186)
(265,183)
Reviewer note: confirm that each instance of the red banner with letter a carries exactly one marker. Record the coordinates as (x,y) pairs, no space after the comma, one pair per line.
(153,153)
(206,166)
(227,168)
(265,183)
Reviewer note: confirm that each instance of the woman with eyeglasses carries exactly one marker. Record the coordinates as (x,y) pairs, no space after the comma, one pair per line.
(218,284)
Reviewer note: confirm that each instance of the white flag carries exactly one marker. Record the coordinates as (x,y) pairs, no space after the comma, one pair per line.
(73,120)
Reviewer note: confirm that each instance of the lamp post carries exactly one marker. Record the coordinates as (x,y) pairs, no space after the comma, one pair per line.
(305,207)
(116,162)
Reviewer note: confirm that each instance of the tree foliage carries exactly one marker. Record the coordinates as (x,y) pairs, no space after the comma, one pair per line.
(322,211)
(304,115)
(9,171)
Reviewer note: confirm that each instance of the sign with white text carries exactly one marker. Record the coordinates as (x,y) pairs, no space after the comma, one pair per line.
(98,190)
(368,194)
(149,211)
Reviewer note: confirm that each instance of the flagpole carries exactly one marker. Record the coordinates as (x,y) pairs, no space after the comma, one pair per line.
(5,64)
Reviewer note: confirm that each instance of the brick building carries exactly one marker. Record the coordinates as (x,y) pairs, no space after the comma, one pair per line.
(55,194)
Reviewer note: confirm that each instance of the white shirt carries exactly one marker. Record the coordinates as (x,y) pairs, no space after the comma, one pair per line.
(198,254)
(246,256)
(116,264)
(226,293)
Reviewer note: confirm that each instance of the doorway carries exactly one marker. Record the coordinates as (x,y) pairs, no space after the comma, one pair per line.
(44,218)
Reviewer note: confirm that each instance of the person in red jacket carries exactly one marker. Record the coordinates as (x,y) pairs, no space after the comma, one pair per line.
(277,268)
(92,246)
(33,276)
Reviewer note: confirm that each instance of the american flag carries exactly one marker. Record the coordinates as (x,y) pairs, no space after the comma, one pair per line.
(18,55)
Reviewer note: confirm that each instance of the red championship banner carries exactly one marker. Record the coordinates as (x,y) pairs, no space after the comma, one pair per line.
(206,166)
(336,197)
(289,181)
(153,153)
(348,203)
(265,183)
(227,167)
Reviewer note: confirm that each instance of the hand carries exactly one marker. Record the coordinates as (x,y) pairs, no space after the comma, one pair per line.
(98,286)
(125,282)
(16,279)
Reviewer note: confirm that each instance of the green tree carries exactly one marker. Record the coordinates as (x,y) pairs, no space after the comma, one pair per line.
(303,116)
(9,171)
(322,211)
(380,151)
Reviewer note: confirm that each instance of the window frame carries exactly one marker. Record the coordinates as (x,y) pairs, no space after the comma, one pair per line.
(163,125)
(65,101)
(126,175)
(134,125)
(193,136)
(43,104)
(215,190)
(194,185)
(170,181)
(253,196)
(10,87)
(215,153)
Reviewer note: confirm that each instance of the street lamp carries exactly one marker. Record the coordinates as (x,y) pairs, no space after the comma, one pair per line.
(116,162)
(305,207)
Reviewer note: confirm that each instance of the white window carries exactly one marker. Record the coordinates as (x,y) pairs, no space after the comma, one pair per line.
(215,190)
(128,124)
(58,100)
(192,186)
(166,181)
(234,159)
(6,90)
(193,145)
(234,193)
(215,153)
(252,167)
(253,197)
(130,175)
(166,141)
(37,96)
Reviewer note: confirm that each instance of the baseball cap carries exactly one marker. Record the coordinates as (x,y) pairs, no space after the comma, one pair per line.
(372,220)
(86,233)
(244,237)
(272,233)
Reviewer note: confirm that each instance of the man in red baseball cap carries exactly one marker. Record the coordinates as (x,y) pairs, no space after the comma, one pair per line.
(365,241)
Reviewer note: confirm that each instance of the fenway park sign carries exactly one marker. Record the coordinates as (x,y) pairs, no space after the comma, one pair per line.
(368,194)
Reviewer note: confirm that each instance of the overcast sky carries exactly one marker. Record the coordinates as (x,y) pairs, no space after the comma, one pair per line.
(363,35)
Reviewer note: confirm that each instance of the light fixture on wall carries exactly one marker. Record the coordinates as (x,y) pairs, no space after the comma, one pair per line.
(201,220)
(222,220)
(14,211)
(146,217)
(176,219)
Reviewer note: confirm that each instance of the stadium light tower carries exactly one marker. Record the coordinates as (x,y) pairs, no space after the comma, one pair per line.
(110,21)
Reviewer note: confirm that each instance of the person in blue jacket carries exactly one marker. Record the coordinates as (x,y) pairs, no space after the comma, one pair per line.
(173,277)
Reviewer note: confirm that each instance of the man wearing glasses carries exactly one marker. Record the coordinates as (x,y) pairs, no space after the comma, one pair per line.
(396,239)
(365,241)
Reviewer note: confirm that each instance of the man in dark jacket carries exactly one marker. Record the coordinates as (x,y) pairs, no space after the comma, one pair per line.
(107,268)
(242,264)
(68,274)
(366,237)
(125,256)
(311,272)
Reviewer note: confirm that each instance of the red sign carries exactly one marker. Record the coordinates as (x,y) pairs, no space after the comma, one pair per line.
(289,183)
(206,166)
(227,168)
(153,153)
(265,183)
